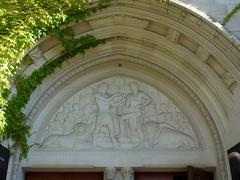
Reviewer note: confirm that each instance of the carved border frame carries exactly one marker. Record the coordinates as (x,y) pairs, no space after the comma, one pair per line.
(221,157)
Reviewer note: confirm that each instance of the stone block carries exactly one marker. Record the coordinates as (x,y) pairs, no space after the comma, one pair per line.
(188,43)
(216,66)
(48,43)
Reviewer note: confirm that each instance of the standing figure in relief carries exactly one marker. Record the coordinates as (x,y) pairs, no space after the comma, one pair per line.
(132,117)
(104,119)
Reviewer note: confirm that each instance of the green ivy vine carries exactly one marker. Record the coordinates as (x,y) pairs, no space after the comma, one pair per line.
(17,129)
(22,24)
(12,119)
(227,18)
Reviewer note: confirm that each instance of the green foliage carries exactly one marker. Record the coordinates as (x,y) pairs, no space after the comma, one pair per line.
(22,23)
(16,128)
(231,14)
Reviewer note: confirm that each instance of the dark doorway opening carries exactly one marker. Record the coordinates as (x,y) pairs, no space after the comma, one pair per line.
(160,176)
(4,158)
(190,174)
(64,176)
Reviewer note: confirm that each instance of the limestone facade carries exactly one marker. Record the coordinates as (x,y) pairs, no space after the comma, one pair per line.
(162,93)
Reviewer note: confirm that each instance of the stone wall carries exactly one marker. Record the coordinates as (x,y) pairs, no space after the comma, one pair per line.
(217,10)
(170,48)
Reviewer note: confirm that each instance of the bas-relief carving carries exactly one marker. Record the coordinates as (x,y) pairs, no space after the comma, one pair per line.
(119,113)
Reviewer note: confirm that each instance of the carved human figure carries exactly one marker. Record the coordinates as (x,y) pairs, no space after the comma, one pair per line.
(104,116)
(127,173)
(110,173)
(73,116)
(130,120)
(119,113)
(137,100)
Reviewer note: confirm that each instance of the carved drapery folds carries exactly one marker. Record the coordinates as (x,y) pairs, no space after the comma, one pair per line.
(119,113)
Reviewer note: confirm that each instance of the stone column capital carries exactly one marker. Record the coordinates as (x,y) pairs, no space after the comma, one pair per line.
(110,173)
(127,173)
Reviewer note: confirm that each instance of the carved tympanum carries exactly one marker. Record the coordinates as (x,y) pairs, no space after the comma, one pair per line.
(120,113)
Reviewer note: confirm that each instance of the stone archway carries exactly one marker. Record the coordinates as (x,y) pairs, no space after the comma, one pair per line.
(194,140)
(170,46)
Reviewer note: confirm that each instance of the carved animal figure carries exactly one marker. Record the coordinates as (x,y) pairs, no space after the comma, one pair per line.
(78,137)
(174,138)
(165,135)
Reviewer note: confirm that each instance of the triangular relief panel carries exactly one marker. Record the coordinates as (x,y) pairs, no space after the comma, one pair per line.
(119,113)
